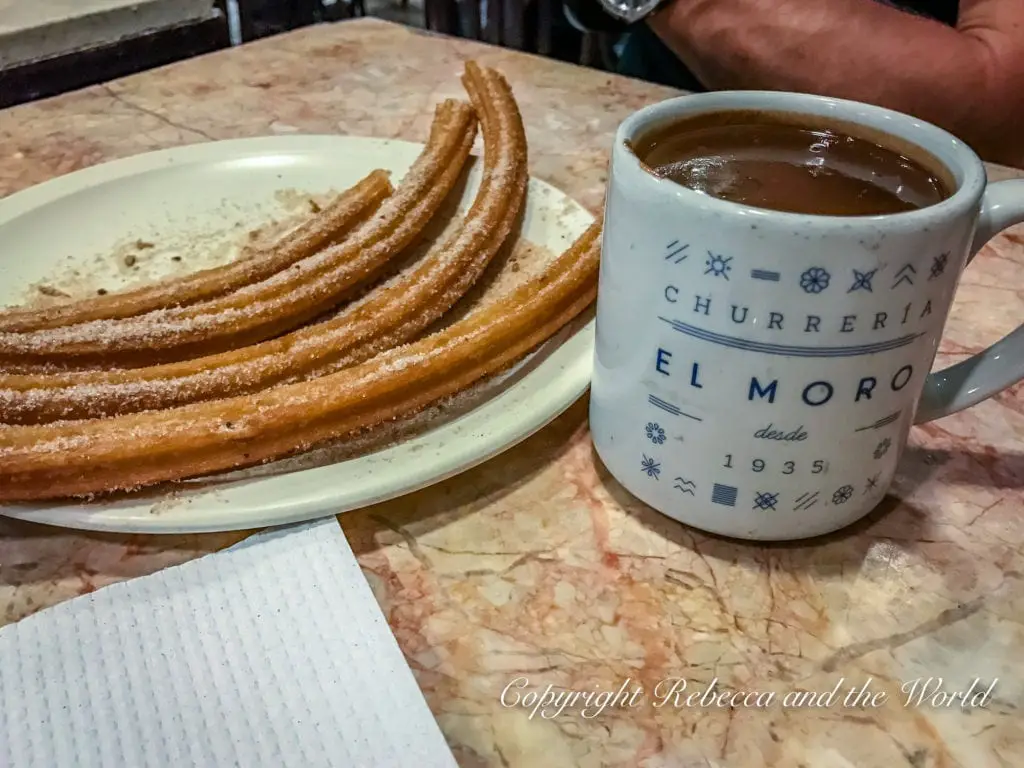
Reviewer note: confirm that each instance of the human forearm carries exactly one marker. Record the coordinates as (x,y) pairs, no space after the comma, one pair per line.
(968,80)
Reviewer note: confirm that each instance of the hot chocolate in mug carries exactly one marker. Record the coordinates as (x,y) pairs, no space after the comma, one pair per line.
(757,373)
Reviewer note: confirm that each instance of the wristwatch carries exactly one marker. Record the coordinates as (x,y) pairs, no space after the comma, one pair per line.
(631,11)
(609,15)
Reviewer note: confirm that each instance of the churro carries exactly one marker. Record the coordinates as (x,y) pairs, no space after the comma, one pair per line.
(332,221)
(393,314)
(276,304)
(126,452)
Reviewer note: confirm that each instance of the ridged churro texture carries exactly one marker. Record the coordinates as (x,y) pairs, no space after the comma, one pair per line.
(127,452)
(280,302)
(392,314)
(378,372)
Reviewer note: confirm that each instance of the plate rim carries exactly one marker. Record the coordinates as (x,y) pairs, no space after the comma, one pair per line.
(23,200)
(461,455)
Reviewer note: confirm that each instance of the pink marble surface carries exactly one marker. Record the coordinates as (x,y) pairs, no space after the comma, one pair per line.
(537,565)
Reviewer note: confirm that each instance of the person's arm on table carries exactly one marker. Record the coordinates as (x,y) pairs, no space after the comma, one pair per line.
(969,80)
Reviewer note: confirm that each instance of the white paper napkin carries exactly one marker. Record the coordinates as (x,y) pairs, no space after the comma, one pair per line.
(271,653)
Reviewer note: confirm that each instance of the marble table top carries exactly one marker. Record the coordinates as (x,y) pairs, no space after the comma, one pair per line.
(537,569)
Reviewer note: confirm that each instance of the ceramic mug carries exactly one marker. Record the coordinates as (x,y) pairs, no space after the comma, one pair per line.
(757,373)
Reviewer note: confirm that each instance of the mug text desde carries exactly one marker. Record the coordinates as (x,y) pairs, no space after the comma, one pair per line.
(771,432)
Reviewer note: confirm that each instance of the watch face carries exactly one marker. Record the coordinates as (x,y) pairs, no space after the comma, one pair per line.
(630,10)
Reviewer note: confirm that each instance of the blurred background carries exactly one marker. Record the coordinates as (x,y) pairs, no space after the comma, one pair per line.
(51,46)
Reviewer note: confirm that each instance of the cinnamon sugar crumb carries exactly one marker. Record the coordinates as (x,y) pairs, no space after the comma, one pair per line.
(49,290)
(172,251)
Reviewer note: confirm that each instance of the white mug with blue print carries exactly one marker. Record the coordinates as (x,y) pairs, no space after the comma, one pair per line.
(756,372)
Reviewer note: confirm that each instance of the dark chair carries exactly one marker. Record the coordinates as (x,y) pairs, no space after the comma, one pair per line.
(260,18)
(536,26)
(499,22)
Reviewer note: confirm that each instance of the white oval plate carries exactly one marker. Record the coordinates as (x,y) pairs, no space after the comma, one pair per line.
(212,190)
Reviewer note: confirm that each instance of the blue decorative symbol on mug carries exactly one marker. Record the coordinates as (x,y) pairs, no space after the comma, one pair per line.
(666,406)
(655,433)
(815,279)
(685,486)
(764,500)
(882,422)
(938,265)
(805,501)
(676,251)
(717,265)
(871,484)
(862,280)
(650,467)
(842,494)
(905,275)
(883,448)
(724,495)
(765,274)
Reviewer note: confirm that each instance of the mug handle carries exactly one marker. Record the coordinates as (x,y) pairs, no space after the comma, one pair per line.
(994,369)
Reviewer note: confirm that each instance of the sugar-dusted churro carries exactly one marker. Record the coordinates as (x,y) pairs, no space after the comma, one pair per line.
(56,461)
(332,221)
(390,315)
(279,303)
